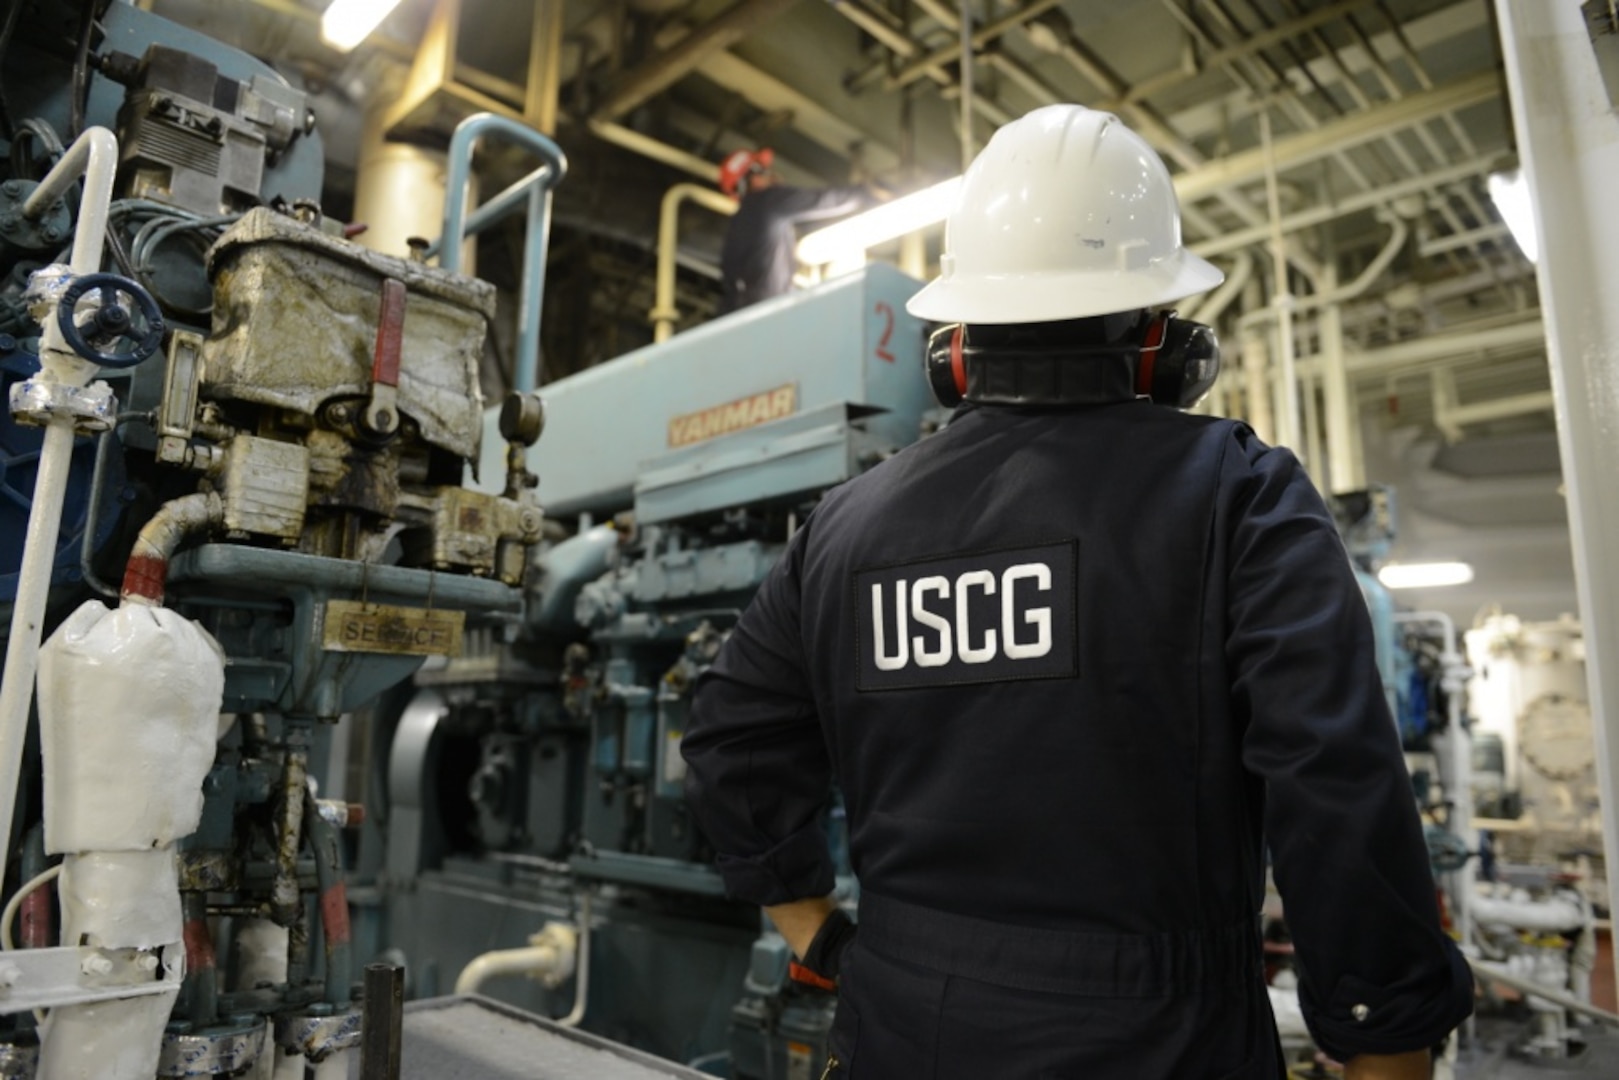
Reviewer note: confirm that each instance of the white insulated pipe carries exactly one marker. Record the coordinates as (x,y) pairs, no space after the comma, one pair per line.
(664,313)
(1483,970)
(94,156)
(534,961)
(581,983)
(1557,914)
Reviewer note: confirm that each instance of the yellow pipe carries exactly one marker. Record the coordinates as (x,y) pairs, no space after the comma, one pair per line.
(664,313)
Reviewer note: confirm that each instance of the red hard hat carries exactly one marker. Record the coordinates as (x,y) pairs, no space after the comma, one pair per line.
(741,164)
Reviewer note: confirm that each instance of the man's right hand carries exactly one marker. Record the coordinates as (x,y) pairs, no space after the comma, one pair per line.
(1414,1065)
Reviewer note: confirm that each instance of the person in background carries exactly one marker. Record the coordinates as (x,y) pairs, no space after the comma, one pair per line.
(757,260)
(1075,663)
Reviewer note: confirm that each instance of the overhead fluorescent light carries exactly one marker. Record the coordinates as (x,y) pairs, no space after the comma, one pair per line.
(1424,575)
(1510,193)
(349,22)
(848,239)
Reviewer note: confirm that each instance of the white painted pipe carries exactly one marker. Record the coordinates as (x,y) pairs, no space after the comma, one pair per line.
(1496,973)
(1220,299)
(28,612)
(93,155)
(619,135)
(581,983)
(1551,915)
(664,313)
(1479,412)
(532,960)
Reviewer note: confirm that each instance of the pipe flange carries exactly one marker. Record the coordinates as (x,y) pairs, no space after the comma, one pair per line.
(18,230)
(41,402)
(317,1037)
(210,1053)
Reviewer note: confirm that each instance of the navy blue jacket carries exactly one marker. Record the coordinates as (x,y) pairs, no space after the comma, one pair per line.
(1133,653)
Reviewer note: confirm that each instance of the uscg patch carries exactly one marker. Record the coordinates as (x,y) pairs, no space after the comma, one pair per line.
(986,617)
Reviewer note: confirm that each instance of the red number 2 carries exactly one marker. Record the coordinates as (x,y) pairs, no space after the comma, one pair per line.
(886,310)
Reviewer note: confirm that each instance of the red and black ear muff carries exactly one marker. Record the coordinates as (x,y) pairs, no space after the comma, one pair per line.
(1180,360)
(946,364)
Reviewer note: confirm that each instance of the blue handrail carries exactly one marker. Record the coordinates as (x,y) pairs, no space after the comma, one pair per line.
(534,190)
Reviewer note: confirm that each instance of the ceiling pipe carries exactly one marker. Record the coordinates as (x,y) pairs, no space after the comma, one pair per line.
(1214,305)
(887,30)
(1449,418)
(1471,238)
(1339,135)
(619,135)
(1320,215)
(1248,46)
(1399,231)
(664,71)
(955,50)
(1426,350)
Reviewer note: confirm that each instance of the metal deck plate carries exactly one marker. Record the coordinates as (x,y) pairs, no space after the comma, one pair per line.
(475,1038)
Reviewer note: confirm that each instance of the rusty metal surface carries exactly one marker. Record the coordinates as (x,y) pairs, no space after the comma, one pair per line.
(465,530)
(295,323)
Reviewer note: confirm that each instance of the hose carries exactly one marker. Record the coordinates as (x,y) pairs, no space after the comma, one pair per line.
(9,915)
(147,571)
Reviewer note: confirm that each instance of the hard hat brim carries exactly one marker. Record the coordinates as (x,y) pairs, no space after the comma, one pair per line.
(992,299)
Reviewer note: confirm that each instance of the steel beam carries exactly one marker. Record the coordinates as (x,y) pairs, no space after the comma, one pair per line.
(1366,200)
(1568,141)
(950,53)
(1308,146)
(668,68)
(1247,47)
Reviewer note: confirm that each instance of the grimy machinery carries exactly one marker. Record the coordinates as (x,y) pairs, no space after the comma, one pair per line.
(305,699)
(325,702)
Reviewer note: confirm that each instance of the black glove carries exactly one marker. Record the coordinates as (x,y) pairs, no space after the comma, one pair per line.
(823,960)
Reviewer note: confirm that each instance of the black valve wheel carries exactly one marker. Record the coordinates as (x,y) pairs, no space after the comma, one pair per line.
(120,329)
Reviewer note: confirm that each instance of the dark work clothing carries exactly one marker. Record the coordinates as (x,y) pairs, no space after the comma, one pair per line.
(757,260)
(1132,645)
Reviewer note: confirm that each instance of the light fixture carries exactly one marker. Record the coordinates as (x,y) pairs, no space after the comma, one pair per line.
(1510,193)
(1425,575)
(348,22)
(848,239)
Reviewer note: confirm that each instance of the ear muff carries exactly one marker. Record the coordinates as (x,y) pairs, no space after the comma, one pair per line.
(1180,360)
(1175,364)
(946,364)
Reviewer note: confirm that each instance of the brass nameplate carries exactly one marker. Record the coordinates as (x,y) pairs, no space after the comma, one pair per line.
(734,416)
(382,628)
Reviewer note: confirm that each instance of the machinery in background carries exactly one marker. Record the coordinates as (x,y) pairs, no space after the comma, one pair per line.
(1537,749)
(543,764)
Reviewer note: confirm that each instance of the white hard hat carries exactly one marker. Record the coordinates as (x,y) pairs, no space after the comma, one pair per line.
(1065,214)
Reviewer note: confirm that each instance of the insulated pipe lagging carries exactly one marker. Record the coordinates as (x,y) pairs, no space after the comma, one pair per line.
(147,571)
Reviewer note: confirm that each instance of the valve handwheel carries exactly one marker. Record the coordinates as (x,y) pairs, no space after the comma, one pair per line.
(124,329)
